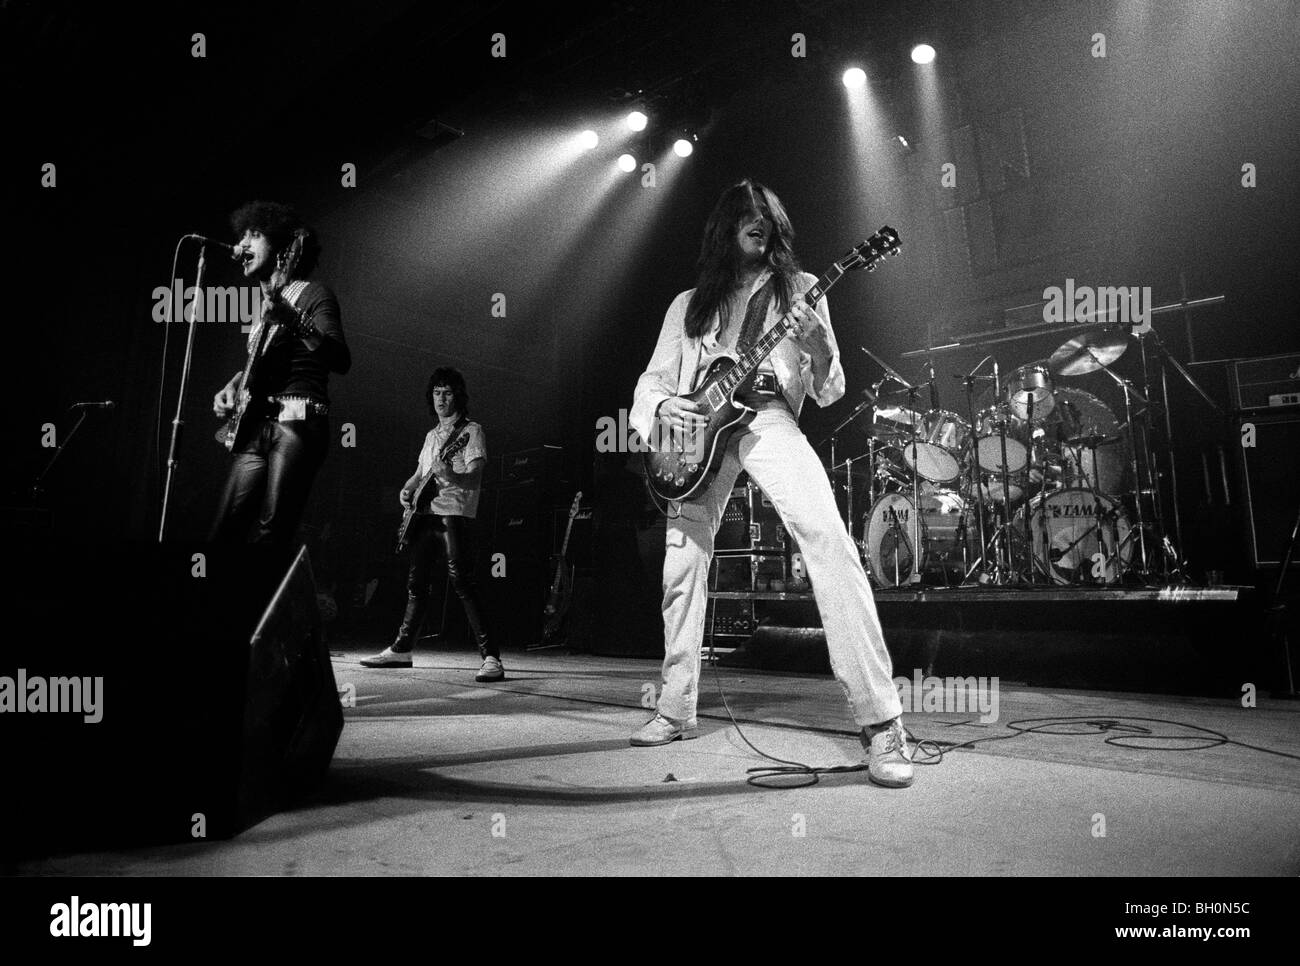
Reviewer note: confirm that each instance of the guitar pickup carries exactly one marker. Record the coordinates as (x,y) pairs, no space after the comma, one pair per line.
(765,384)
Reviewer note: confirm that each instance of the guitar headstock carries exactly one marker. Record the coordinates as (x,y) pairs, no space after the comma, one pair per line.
(883,244)
(287,261)
(573,510)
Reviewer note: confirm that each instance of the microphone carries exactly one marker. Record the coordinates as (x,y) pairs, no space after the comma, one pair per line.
(230,250)
(106,404)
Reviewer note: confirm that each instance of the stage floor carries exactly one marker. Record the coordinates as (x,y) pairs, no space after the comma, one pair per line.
(437,775)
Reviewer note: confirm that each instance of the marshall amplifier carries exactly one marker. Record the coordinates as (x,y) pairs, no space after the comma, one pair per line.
(1265,382)
(540,464)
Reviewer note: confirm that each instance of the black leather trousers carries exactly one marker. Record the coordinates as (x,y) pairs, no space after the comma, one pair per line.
(450,538)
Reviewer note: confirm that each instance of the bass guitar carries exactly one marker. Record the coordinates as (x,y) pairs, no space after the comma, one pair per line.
(423,495)
(561,594)
(683,468)
(241,422)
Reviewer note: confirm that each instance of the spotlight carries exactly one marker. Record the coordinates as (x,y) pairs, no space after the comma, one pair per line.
(627,163)
(855,77)
(588,140)
(683,148)
(636,121)
(923,54)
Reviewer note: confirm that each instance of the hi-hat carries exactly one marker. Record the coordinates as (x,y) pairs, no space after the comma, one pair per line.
(1089,352)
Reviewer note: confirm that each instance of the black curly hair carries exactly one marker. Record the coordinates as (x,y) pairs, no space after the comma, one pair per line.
(278,223)
(453,380)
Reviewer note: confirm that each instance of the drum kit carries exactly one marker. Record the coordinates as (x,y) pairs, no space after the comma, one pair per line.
(1037,482)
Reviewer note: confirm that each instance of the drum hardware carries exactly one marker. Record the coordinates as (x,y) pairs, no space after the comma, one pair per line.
(912,392)
(869,401)
(1167,360)
(977,477)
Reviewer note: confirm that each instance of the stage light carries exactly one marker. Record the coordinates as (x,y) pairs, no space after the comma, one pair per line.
(636,121)
(923,54)
(683,148)
(588,139)
(855,77)
(627,163)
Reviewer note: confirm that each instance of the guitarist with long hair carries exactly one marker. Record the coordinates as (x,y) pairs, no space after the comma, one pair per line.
(748,281)
(283,412)
(441,502)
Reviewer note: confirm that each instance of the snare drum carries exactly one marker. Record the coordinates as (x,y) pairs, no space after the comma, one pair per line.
(988,439)
(1031,382)
(936,455)
(1079,537)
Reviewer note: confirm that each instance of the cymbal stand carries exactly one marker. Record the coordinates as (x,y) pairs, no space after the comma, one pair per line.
(977,482)
(1129,393)
(1007,524)
(1167,360)
(1029,479)
(916,490)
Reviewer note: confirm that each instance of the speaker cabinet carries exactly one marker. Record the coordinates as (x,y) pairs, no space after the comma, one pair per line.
(205,701)
(1270,484)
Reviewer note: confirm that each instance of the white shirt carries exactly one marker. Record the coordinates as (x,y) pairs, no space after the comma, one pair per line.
(676,362)
(453,500)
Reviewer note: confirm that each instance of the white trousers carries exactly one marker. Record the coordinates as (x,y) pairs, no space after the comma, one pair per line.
(778,458)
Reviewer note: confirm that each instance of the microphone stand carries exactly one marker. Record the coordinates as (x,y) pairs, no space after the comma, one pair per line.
(58,451)
(178,424)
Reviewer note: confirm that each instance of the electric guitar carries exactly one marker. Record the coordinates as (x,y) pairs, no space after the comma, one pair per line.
(236,430)
(684,468)
(557,602)
(450,449)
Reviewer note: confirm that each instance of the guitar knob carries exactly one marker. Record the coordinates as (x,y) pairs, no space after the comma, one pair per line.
(680,480)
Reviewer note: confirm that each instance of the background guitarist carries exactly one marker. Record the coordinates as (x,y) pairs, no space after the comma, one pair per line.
(748,280)
(443,526)
(272,472)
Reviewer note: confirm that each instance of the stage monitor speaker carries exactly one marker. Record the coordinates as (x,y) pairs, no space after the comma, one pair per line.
(202,695)
(1270,484)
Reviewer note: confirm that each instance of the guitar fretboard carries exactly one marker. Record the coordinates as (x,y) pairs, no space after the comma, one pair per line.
(752,357)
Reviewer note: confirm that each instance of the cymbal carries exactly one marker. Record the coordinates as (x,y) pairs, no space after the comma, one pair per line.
(898,415)
(1089,352)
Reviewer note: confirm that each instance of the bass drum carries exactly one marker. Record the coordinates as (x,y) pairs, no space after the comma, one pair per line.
(1079,537)
(888,534)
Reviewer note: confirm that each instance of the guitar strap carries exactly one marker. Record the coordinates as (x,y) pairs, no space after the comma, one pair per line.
(290,293)
(756,315)
(451,437)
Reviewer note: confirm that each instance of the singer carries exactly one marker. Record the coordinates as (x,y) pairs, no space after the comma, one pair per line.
(288,406)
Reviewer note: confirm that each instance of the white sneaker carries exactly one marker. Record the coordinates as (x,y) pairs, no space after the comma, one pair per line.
(889,760)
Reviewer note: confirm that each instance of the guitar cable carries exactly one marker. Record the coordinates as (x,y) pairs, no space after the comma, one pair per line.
(793,774)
